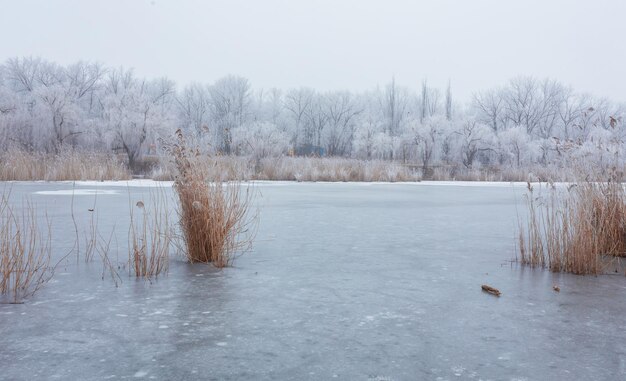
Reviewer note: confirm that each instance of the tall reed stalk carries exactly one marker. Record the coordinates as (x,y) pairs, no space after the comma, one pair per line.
(150,238)
(24,251)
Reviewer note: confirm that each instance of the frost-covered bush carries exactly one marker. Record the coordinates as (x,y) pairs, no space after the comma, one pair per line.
(260,139)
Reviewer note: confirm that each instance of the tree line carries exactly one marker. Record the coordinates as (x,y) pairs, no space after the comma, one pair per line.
(47,107)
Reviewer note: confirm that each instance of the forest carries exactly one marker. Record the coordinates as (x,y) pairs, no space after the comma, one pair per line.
(524,124)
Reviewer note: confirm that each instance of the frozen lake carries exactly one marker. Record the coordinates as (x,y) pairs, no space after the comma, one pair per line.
(345,281)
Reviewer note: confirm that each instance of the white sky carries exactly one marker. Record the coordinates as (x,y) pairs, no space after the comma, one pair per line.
(327,45)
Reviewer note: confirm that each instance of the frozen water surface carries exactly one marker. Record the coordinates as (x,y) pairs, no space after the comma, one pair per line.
(346,281)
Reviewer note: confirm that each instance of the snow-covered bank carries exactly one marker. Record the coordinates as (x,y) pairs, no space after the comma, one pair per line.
(147,183)
(265,183)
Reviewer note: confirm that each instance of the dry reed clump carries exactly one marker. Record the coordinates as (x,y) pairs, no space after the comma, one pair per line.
(215,215)
(19,165)
(580,229)
(24,252)
(150,238)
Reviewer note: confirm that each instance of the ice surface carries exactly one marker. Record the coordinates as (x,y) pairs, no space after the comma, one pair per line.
(346,281)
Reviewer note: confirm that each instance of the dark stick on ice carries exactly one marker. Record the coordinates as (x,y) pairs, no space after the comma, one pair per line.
(491,290)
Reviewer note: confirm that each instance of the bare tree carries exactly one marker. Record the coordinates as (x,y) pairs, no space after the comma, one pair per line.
(569,111)
(424,106)
(548,104)
(430,101)
(298,103)
(394,102)
(317,120)
(490,107)
(194,107)
(340,111)
(85,79)
(449,102)
(269,105)
(22,73)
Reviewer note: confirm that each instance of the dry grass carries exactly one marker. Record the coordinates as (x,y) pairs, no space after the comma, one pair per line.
(215,216)
(233,168)
(150,238)
(18,165)
(337,169)
(333,169)
(24,252)
(532,173)
(580,229)
(218,168)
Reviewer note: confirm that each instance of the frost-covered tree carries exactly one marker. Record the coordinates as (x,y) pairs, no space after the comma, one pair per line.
(317,120)
(341,111)
(489,107)
(426,138)
(260,139)
(193,106)
(369,123)
(394,104)
(525,122)
(298,103)
(449,102)
(136,112)
(51,94)
(230,102)
(429,101)
(515,146)
(383,146)
(473,138)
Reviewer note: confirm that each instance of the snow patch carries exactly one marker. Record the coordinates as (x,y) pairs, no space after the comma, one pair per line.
(78,192)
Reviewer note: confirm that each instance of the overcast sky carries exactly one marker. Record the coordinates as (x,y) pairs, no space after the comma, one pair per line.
(332,44)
